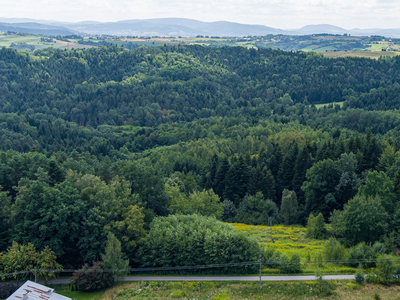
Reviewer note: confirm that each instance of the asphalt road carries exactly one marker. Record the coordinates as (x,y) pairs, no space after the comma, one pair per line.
(222,278)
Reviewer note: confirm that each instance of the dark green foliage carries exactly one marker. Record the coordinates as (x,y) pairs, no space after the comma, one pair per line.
(229,211)
(189,240)
(364,254)
(92,278)
(256,210)
(362,219)
(359,277)
(90,137)
(289,206)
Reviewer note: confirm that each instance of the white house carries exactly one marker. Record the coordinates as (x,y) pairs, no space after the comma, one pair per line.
(34,291)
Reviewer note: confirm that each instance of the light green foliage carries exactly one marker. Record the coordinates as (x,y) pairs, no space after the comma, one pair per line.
(113,257)
(189,240)
(26,258)
(316,227)
(289,206)
(130,227)
(222,296)
(333,250)
(385,267)
(177,294)
(205,203)
(256,210)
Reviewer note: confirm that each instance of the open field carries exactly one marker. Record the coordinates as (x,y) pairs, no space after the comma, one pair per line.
(7,40)
(326,104)
(291,240)
(374,54)
(237,291)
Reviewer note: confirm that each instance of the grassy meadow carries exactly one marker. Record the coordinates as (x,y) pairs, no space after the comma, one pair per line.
(344,290)
(326,104)
(291,240)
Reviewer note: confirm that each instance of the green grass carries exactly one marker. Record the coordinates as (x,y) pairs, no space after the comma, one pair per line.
(377,47)
(291,240)
(326,104)
(75,295)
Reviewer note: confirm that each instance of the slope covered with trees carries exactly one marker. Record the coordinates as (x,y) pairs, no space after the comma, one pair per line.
(109,141)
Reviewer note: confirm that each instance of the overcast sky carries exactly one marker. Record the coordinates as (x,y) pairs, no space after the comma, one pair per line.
(285,14)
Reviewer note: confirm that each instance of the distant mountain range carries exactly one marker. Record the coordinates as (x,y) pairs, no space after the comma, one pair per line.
(174,27)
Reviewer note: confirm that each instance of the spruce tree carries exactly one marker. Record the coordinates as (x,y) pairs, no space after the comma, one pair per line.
(289,206)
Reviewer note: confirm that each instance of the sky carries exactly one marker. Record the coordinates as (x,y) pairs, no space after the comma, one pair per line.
(284,14)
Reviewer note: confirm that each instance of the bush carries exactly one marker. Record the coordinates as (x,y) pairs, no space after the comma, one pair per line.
(333,250)
(385,268)
(92,278)
(316,227)
(189,240)
(359,277)
(363,253)
(177,294)
(256,210)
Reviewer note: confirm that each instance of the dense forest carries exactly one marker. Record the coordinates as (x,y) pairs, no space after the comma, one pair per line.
(108,141)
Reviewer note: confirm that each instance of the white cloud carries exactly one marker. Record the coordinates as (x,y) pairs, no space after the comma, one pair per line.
(274,13)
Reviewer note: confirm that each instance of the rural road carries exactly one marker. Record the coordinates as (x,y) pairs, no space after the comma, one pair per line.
(221,278)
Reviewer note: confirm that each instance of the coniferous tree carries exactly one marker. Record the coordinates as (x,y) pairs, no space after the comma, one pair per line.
(289,206)
(220,177)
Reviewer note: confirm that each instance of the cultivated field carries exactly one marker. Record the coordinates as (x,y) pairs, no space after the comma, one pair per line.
(374,54)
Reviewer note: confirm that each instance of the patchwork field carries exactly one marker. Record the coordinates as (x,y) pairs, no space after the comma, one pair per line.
(7,40)
(373,54)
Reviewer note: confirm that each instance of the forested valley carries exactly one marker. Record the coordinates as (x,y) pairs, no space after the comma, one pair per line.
(150,145)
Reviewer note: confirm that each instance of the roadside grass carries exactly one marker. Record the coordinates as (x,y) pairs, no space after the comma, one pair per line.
(249,290)
(75,295)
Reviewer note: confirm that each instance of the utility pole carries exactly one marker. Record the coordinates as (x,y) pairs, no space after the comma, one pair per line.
(35,275)
(260,271)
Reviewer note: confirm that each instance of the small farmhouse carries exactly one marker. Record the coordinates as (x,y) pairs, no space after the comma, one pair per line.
(34,291)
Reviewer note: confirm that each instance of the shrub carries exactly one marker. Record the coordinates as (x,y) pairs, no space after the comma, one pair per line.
(323,288)
(222,296)
(333,250)
(177,294)
(385,268)
(92,278)
(188,240)
(363,252)
(316,227)
(256,210)
(359,278)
